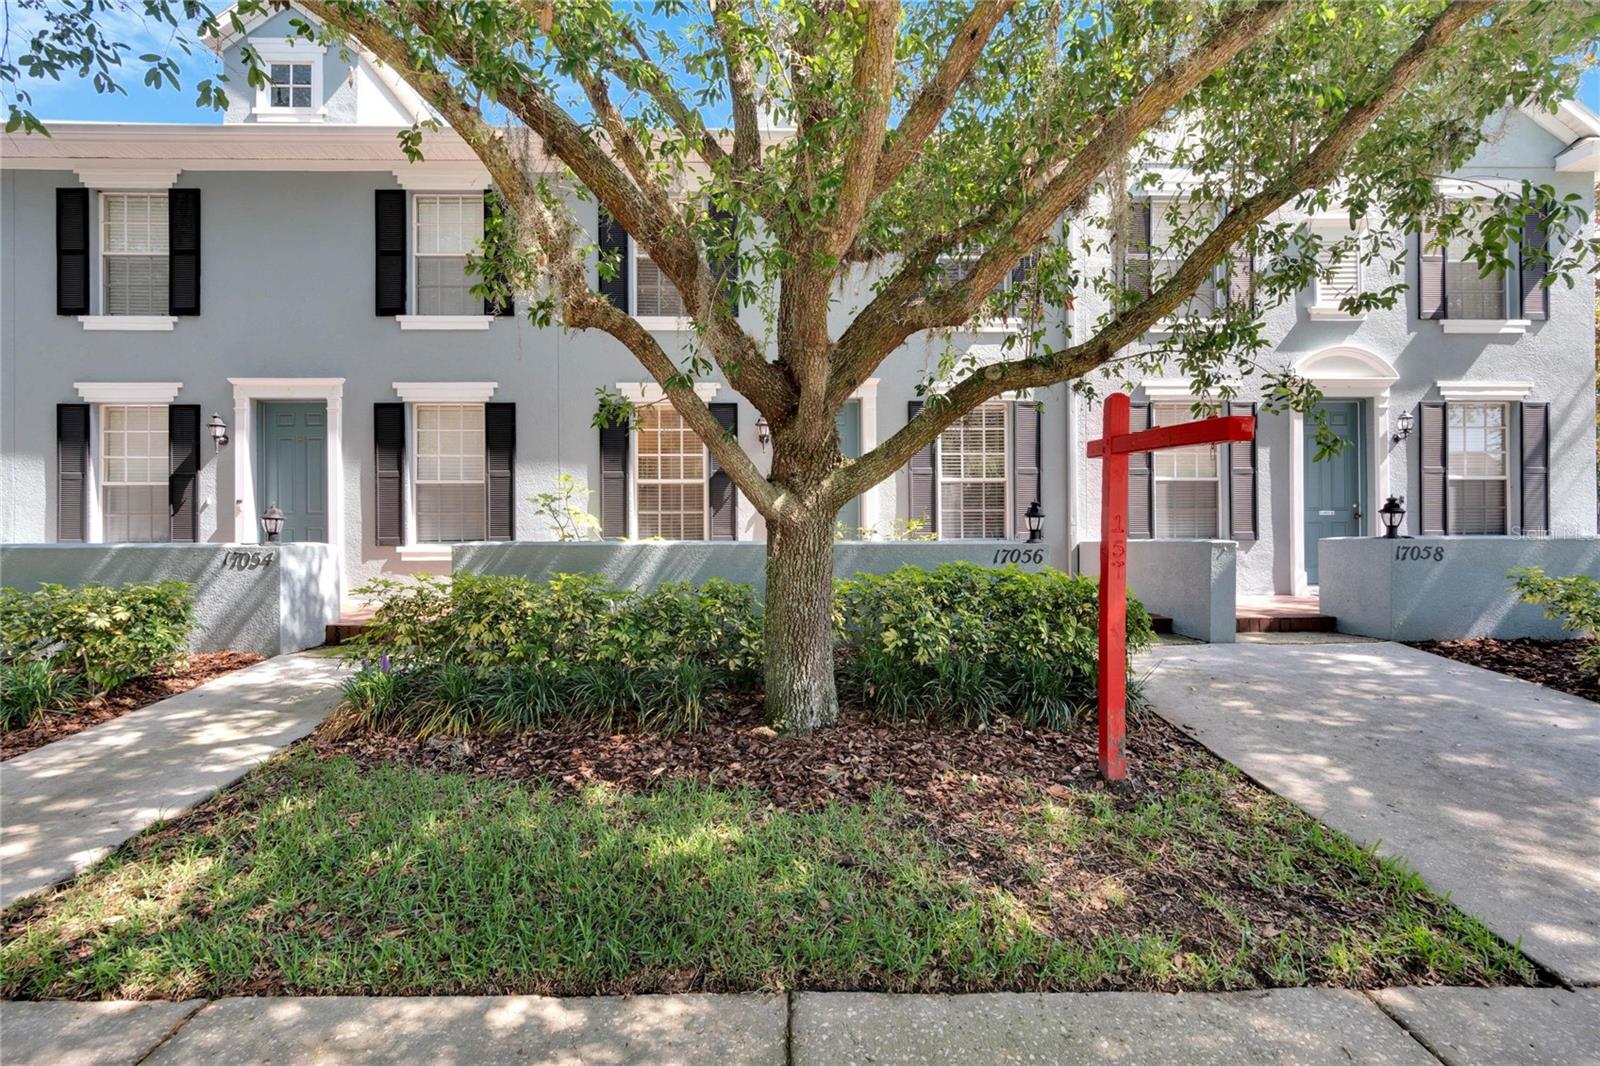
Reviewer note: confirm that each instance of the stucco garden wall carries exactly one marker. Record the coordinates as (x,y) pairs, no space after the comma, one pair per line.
(1192,582)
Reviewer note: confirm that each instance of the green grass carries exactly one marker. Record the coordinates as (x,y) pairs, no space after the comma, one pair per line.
(315,876)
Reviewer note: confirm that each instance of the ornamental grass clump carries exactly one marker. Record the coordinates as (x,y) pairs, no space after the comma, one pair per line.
(963,643)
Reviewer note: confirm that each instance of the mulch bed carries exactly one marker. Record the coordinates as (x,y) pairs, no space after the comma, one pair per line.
(1553,663)
(140,692)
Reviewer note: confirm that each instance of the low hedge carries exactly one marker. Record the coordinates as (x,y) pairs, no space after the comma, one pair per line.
(60,643)
(959,643)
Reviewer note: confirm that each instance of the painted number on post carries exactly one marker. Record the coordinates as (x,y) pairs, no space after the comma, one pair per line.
(247,560)
(1025,556)
(1422,553)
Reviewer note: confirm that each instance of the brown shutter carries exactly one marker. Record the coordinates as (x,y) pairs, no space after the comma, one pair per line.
(1242,481)
(72,471)
(920,502)
(72,254)
(723,497)
(1141,485)
(1027,479)
(614,482)
(613,242)
(1534,264)
(389,440)
(1432,509)
(389,229)
(183,252)
(1138,270)
(1430,278)
(183,477)
(507,305)
(1536,469)
(499,453)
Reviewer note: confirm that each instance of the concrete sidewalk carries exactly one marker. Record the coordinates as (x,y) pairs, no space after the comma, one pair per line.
(68,804)
(1487,786)
(1305,1027)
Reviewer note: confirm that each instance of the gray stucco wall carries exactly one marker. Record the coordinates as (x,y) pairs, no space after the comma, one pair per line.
(1192,582)
(269,599)
(1443,588)
(647,564)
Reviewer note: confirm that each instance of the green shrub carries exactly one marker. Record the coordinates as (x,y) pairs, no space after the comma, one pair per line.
(106,635)
(964,643)
(1573,601)
(30,688)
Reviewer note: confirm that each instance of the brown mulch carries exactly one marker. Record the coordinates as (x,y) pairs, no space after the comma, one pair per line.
(130,696)
(1552,663)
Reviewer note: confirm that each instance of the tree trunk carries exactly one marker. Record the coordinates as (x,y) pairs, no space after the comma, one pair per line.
(799,625)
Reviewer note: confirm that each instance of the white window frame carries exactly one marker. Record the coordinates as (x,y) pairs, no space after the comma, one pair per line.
(633,479)
(660,323)
(1505,326)
(1325,302)
(434,549)
(413,393)
(1162,199)
(1452,478)
(983,322)
(432,322)
(101,319)
(940,480)
(101,394)
(1156,479)
(295,52)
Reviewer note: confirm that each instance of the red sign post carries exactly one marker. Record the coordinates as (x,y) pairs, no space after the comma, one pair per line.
(1114,447)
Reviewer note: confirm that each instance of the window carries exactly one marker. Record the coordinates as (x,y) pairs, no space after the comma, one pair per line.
(972,474)
(133,253)
(134,467)
(449,479)
(447,229)
(655,294)
(289,86)
(1185,482)
(670,476)
(1338,270)
(1475,442)
(1162,232)
(1467,292)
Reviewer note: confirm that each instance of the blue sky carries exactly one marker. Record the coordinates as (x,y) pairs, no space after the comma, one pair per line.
(75,99)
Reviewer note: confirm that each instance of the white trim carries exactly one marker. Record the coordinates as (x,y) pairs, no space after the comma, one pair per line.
(665,323)
(128,392)
(444,322)
(286,49)
(128,323)
(705,480)
(647,392)
(297,52)
(446,177)
(424,553)
(1484,391)
(1348,371)
(939,479)
(1165,390)
(867,410)
(241,438)
(1332,314)
(1476,188)
(126,177)
(445,391)
(1487,327)
(1582,157)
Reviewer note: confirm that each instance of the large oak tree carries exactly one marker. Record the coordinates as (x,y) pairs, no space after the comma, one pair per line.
(988,135)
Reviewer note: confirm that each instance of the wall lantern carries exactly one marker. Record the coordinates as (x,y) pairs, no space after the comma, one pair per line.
(763,431)
(1402,426)
(1392,512)
(272,522)
(219,430)
(1035,516)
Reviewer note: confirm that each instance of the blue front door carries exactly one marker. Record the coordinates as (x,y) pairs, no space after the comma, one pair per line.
(294,468)
(1333,484)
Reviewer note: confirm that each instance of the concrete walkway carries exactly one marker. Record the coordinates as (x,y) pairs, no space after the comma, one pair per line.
(1487,786)
(68,804)
(1306,1027)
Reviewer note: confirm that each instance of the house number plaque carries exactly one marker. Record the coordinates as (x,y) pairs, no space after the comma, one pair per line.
(238,560)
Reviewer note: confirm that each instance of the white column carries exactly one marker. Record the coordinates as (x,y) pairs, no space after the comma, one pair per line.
(867,394)
(243,438)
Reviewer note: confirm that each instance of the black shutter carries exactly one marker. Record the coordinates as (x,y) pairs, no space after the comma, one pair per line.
(726,267)
(1535,296)
(389,463)
(724,498)
(389,230)
(614,482)
(1141,485)
(72,470)
(1138,269)
(499,446)
(1430,278)
(1027,478)
(507,305)
(921,502)
(183,252)
(1432,509)
(1242,481)
(183,476)
(613,241)
(1536,469)
(72,255)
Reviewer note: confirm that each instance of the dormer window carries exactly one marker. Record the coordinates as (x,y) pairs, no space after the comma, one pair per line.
(293,88)
(290,86)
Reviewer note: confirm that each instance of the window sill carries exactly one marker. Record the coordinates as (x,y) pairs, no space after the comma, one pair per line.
(1334,314)
(424,553)
(1167,326)
(666,323)
(1489,327)
(290,117)
(128,323)
(444,322)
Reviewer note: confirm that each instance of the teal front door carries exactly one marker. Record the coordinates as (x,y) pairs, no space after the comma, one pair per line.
(1333,484)
(294,468)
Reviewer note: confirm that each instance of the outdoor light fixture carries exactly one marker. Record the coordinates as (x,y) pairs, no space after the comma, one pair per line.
(1393,512)
(1402,427)
(1035,516)
(272,522)
(763,431)
(219,430)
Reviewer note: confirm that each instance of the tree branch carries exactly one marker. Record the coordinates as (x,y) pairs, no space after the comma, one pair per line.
(726,23)
(872,90)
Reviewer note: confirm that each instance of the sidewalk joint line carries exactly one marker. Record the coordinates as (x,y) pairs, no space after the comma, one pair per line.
(159,1044)
(1387,1013)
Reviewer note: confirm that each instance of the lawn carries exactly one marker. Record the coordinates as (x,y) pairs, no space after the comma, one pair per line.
(989,861)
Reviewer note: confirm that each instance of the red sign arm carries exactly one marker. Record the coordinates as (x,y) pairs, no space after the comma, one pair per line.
(1205,431)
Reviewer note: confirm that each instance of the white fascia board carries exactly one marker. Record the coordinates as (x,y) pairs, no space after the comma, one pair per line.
(445,391)
(1582,157)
